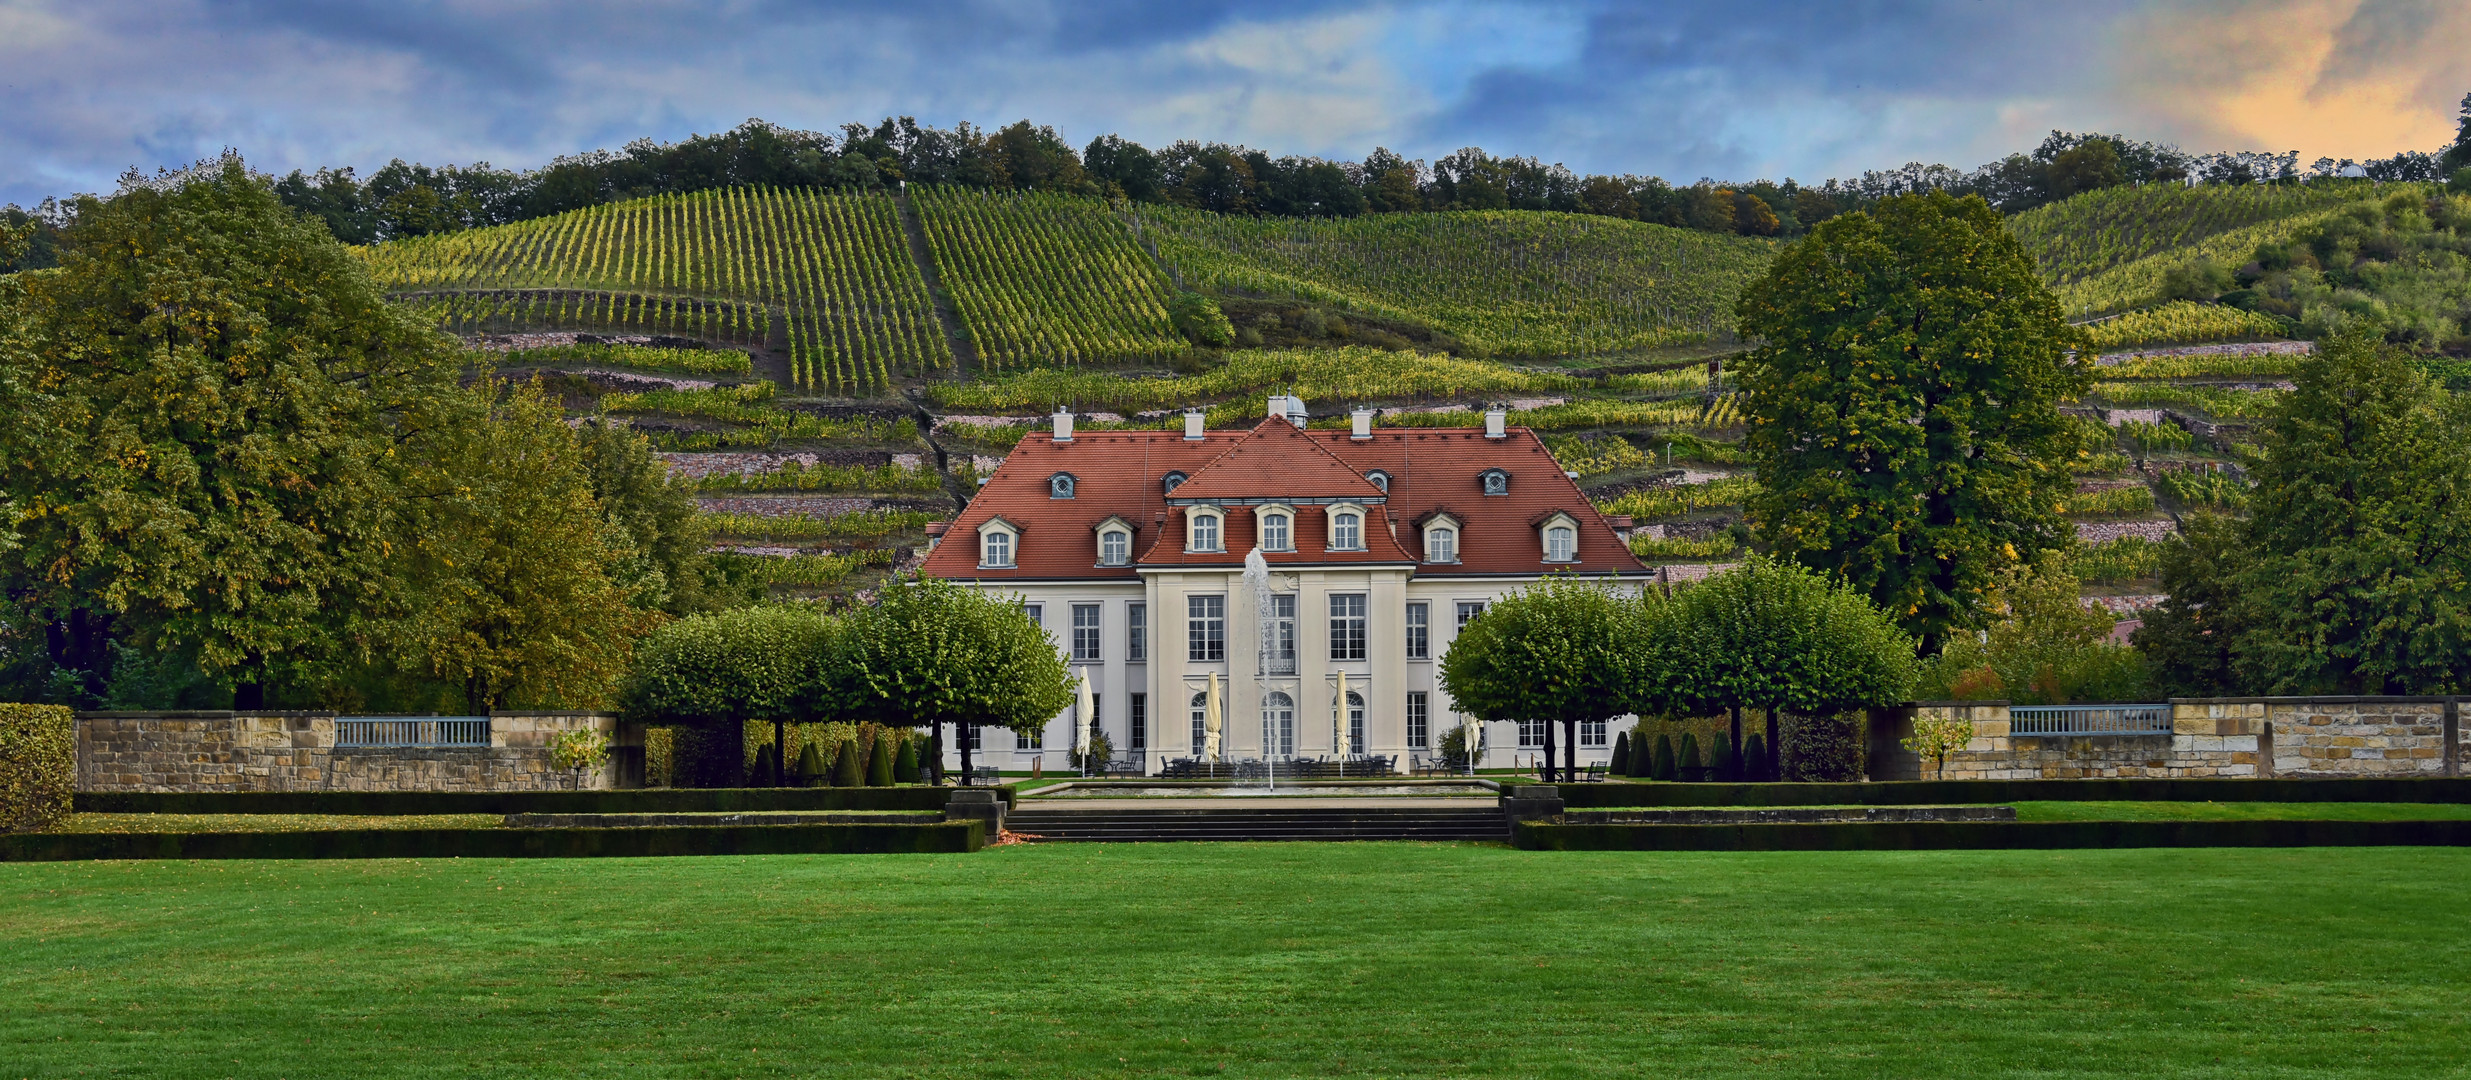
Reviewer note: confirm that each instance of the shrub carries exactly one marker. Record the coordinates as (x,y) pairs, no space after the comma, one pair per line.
(845,767)
(1823,748)
(1753,765)
(761,773)
(1664,758)
(1199,319)
(1690,767)
(1935,737)
(38,765)
(810,766)
(1621,755)
(905,764)
(1721,762)
(879,763)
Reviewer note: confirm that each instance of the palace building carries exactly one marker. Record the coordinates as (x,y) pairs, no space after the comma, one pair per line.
(1380,543)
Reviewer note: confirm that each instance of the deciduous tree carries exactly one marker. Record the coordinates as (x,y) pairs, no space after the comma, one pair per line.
(1559,651)
(717,671)
(931,652)
(1774,635)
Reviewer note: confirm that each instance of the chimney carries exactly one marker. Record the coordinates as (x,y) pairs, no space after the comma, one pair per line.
(1063,425)
(1193,419)
(1364,424)
(1494,421)
(1295,411)
(1278,405)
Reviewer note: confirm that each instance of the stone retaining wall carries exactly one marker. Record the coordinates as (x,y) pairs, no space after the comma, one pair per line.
(2303,738)
(294,751)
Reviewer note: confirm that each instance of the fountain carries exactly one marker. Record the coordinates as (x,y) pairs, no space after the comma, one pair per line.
(1257,579)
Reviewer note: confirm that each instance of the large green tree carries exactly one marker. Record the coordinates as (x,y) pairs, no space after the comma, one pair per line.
(1777,636)
(665,567)
(2353,574)
(931,653)
(716,671)
(203,446)
(1560,651)
(1904,405)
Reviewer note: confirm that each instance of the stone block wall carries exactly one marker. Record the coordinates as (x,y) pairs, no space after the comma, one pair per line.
(2209,737)
(296,751)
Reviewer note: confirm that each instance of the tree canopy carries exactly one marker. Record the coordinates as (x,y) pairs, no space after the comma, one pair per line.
(1904,406)
(1776,635)
(757,663)
(1559,650)
(933,652)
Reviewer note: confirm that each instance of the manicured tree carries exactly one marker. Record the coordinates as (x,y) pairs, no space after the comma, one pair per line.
(766,766)
(1722,763)
(1664,757)
(905,766)
(931,652)
(845,772)
(1775,636)
(810,766)
(1690,769)
(1904,405)
(718,671)
(2353,573)
(1556,651)
(879,763)
(1621,755)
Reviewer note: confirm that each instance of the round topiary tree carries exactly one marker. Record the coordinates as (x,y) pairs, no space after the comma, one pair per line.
(932,653)
(1559,650)
(716,672)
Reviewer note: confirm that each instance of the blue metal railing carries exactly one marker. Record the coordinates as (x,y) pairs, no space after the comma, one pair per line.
(2089,720)
(390,732)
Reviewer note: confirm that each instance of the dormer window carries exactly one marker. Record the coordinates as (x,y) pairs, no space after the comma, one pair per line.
(1380,480)
(1277,531)
(1496,482)
(1115,547)
(1441,544)
(1203,530)
(1347,531)
(999,542)
(1059,486)
(1170,482)
(1560,534)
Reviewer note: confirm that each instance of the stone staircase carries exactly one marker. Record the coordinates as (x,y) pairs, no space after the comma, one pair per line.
(1129,824)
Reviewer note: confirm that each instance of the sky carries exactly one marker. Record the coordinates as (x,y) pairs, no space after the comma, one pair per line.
(1733,89)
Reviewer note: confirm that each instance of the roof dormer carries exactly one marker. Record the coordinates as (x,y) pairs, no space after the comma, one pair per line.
(1061,485)
(1115,541)
(999,544)
(1558,534)
(1494,481)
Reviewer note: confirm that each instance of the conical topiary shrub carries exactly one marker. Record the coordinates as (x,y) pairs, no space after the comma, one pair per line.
(1720,759)
(1754,757)
(879,763)
(845,767)
(1664,757)
(1690,768)
(761,774)
(905,765)
(810,766)
(1620,765)
(1642,758)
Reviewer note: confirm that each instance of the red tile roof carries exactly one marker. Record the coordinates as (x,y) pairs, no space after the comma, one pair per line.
(1118,473)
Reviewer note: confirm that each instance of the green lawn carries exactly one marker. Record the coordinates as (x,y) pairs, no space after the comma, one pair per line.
(2239,811)
(1249,960)
(170,823)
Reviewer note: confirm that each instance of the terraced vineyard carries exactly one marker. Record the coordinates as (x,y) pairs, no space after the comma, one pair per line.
(2076,238)
(833,269)
(1046,280)
(1508,282)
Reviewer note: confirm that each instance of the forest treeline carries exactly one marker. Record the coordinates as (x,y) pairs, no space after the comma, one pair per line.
(404,199)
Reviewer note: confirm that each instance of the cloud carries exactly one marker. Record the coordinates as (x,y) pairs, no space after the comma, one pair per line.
(1680,88)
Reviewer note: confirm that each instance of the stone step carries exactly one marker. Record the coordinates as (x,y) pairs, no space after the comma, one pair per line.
(1265,823)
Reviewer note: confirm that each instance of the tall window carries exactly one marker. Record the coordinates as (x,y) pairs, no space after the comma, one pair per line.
(1558,543)
(1137,723)
(1419,720)
(995,549)
(1275,533)
(1205,532)
(1441,545)
(1347,532)
(1137,633)
(974,735)
(1115,547)
(1201,723)
(1468,610)
(1531,733)
(1347,626)
(1032,740)
(1419,631)
(1278,725)
(1355,723)
(1282,644)
(1085,634)
(1036,612)
(1206,628)
(1591,732)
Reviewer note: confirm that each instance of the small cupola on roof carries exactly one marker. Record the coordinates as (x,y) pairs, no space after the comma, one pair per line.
(1494,481)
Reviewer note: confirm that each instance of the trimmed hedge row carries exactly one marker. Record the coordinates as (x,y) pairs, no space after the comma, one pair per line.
(940,838)
(636,801)
(38,765)
(1939,835)
(2434,789)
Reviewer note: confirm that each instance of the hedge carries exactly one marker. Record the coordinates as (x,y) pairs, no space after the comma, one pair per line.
(2000,835)
(2434,789)
(940,838)
(635,801)
(38,765)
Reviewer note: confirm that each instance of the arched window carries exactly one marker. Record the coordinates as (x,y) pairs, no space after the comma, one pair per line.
(1496,482)
(1275,535)
(1205,532)
(1059,486)
(1170,482)
(1347,531)
(1559,543)
(1355,723)
(1380,479)
(1115,547)
(1278,725)
(1441,544)
(995,548)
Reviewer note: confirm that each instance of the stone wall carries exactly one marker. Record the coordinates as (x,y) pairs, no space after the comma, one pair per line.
(295,751)
(2209,737)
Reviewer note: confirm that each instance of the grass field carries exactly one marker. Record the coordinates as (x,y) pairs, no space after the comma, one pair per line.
(1248,960)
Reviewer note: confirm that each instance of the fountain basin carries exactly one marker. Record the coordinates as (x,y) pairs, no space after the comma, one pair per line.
(1299,789)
